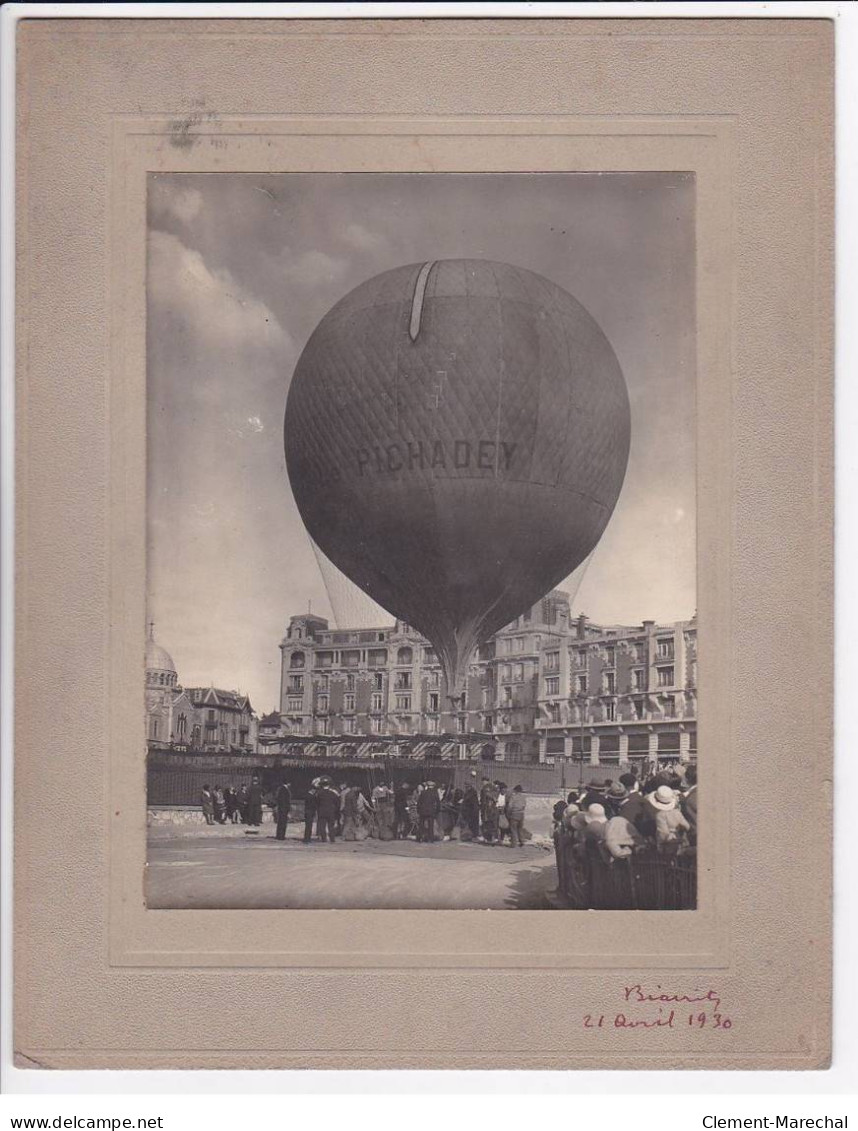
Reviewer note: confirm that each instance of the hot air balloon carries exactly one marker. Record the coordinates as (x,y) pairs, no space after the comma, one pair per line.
(456,436)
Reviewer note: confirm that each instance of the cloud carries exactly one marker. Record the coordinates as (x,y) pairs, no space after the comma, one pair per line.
(312,268)
(217,309)
(182,203)
(357,236)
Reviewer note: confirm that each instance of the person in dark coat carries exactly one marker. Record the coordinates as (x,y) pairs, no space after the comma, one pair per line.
(614,799)
(489,811)
(633,807)
(310,810)
(595,795)
(328,810)
(469,810)
(254,802)
(231,802)
(689,802)
(450,803)
(401,820)
(428,808)
(207,802)
(283,804)
(242,797)
(219,805)
(516,803)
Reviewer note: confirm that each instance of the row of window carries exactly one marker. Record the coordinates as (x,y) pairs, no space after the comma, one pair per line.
(165,679)
(181,732)
(609,709)
(378,725)
(666,677)
(512,644)
(376,657)
(664,650)
(401,703)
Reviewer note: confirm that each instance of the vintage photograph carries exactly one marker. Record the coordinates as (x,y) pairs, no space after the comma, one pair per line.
(421,574)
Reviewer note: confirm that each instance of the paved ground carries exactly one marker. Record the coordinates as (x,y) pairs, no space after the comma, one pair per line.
(228,869)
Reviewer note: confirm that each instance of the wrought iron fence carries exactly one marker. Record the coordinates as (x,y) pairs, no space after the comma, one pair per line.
(646,881)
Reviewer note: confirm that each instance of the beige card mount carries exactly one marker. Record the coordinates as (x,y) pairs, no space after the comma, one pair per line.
(743,981)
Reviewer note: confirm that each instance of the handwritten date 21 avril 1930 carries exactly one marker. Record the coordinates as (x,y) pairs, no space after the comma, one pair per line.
(659,1008)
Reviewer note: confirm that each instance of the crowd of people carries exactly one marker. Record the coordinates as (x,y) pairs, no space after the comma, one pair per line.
(629,816)
(223,805)
(485,811)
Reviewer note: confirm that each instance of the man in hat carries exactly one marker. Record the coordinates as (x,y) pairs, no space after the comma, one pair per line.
(633,806)
(327,809)
(254,802)
(515,807)
(614,799)
(283,804)
(401,820)
(428,807)
(595,794)
(470,809)
(489,811)
(310,809)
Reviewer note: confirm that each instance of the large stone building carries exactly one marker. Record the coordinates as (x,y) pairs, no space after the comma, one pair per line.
(544,687)
(193,718)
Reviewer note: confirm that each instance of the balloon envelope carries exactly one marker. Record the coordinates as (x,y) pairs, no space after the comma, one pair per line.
(456,438)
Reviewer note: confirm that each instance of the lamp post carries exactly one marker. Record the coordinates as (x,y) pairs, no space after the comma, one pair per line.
(582,704)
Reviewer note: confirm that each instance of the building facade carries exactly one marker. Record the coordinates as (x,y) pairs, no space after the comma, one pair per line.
(193,718)
(545,686)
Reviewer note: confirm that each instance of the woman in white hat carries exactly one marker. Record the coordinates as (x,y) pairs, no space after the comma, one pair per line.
(595,820)
(671,828)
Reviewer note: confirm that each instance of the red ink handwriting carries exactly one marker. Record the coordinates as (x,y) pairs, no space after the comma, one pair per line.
(668,1013)
(637,993)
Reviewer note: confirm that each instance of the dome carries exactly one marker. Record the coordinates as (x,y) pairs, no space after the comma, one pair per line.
(158,659)
(160,669)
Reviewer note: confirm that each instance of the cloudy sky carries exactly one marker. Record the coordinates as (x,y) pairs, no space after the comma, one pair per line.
(242,267)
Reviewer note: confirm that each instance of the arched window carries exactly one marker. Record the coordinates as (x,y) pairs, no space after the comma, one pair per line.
(296,660)
(182,726)
(404,656)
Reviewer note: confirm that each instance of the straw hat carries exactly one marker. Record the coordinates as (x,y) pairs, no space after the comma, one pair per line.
(595,812)
(663,798)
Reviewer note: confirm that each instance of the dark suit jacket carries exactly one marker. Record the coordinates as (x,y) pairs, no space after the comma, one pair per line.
(632,808)
(428,803)
(689,807)
(327,803)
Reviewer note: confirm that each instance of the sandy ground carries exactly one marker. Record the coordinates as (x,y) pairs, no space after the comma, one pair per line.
(230,869)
